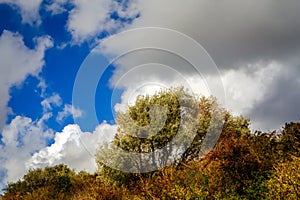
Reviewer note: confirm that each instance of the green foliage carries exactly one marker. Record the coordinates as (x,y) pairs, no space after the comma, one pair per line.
(53,182)
(290,140)
(242,164)
(152,123)
(132,135)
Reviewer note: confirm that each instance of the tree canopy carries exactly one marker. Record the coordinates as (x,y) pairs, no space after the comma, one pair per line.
(175,145)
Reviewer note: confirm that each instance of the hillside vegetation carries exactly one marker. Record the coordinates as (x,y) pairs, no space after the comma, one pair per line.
(242,164)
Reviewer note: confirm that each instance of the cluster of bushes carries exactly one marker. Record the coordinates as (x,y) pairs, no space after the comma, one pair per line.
(242,164)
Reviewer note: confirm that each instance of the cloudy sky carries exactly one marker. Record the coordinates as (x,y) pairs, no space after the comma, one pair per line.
(66,66)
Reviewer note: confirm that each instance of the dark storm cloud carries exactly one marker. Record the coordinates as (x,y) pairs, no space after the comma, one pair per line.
(238,34)
(243,37)
(234,32)
(249,32)
(281,103)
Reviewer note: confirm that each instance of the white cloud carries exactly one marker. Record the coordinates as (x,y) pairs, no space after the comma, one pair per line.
(69,110)
(17,62)
(57,6)
(279,104)
(89,18)
(244,88)
(249,85)
(54,100)
(250,43)
(73,147)
(24,146)
(29,9)
(20,139)
(149,79)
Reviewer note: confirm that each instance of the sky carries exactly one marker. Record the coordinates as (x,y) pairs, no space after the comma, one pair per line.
(67,67)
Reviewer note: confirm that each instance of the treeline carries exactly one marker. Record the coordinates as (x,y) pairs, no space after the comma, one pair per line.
(242,164)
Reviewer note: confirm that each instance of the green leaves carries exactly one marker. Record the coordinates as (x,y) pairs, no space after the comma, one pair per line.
(169,134)
(52,181)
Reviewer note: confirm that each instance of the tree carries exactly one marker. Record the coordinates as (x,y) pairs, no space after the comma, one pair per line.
(285,182)
(160,130)
(290,140)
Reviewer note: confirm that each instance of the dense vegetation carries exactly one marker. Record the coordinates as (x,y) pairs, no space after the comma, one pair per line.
(242,164)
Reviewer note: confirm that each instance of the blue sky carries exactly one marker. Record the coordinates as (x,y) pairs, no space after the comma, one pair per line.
(42,95)
(47,46)
(59,71)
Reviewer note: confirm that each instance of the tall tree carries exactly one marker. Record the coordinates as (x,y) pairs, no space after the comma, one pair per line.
(169,127)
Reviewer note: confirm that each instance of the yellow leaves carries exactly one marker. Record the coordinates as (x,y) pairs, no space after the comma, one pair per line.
(285,182)
(242,165)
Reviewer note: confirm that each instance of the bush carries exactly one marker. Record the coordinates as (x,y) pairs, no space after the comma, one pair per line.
(242,164)
(49,183)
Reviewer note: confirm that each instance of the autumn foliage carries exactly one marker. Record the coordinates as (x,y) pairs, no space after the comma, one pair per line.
(242,164)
